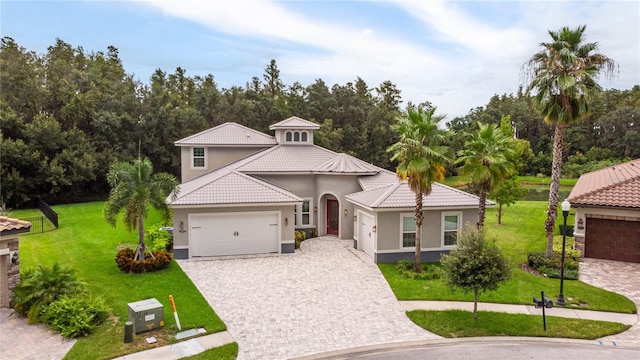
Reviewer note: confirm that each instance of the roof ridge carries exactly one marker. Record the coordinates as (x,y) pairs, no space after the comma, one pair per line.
(224,125)
(391,190)
(265,183)
(458,190)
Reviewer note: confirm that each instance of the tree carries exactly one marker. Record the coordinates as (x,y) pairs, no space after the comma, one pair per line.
(507,193)
(562,77)
(486,159)
(421,159)
(475,265)
(134,187)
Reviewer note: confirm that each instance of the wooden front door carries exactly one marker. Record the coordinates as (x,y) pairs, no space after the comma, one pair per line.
(333,216)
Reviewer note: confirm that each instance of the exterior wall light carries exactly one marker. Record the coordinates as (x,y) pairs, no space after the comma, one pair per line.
(345,212)
(374,228)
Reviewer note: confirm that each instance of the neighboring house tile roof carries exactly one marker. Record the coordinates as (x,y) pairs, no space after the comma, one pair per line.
(8,224)
(399,195)
(294,122)
(228,134)
(230,187)
(615,186)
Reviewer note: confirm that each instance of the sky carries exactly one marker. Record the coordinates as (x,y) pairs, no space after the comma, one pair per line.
(454,54)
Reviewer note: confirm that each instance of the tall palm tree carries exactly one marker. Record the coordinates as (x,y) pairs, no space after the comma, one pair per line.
(562,77)
(486,159)
(421,159)
(134,187)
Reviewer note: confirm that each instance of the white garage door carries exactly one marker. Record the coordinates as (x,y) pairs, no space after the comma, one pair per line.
(234,233)
(365,233)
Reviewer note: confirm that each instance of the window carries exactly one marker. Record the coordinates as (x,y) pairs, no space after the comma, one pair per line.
(408,231)
(302,213)
(296,136)
(450,229)
(304,136)
(198,158)
(288,136)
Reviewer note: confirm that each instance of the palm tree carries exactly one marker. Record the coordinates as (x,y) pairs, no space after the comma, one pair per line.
(134,187)
(486,159)
(421,159)
(562,77)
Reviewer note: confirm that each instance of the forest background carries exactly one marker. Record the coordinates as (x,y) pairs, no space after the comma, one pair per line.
(67,115)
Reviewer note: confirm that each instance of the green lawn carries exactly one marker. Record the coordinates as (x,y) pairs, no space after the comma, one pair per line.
(459,182)
(522,231)
(459,323)
(86,243)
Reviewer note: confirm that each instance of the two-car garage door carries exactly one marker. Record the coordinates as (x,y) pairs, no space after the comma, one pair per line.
(234,233)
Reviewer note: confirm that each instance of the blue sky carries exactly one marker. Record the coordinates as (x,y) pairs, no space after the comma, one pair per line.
(456,54)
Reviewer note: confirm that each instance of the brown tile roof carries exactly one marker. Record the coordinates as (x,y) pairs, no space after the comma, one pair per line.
(8,224)
(615,186)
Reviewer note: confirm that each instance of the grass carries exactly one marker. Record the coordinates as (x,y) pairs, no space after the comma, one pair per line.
(459,323)
(225,352)
(526,181)
(521,232)
(87,244)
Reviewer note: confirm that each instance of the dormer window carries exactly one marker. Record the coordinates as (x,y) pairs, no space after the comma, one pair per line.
(288,136)
(296,136)
(304,136)
(198,158)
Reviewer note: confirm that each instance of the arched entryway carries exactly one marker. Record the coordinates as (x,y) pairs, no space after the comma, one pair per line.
(329,215)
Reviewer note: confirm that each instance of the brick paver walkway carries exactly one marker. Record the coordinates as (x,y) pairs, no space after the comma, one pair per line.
(325,297)
(620,277)
(21,341)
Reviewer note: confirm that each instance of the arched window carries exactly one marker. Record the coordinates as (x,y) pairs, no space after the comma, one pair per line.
(296,136)
(288,136)
(304,136)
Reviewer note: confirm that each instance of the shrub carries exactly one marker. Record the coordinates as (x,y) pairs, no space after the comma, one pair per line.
(570,252)
(300,236)
(76,315)
(312,233)
(158,238)
(126,263)
(551,266)
(429,271)
(42,286)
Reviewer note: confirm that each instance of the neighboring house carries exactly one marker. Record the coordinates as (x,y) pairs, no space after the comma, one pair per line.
(245,192)
(607,215)
(9,259)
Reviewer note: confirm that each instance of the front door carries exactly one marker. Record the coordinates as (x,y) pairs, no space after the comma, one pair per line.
(333,216)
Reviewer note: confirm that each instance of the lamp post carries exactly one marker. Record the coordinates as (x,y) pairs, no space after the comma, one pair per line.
(566,206)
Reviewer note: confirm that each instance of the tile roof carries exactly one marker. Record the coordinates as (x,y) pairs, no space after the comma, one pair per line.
(286,159)
(399,195)
(615,186)
(384,177)
(230,187)
(343,163)
(9,224)
(228,134)
(294,122)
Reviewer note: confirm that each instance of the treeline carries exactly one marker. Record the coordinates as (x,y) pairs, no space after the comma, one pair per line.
(67,114)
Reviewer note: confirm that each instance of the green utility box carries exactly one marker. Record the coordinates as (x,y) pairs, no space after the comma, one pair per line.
(146,315)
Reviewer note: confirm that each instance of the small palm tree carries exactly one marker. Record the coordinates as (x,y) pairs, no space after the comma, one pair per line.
(134,187)
(562,77)
(421,159)
(486,160)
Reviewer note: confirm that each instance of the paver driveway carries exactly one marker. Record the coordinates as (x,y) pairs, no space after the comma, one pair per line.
(620,277)
(327,296)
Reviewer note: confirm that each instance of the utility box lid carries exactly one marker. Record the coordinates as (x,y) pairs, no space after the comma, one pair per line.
(144,305)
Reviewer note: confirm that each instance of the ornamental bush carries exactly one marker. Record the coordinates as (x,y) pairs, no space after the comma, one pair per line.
(126,263)
(75,315)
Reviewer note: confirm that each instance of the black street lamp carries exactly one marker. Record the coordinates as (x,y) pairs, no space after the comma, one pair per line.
(566,206)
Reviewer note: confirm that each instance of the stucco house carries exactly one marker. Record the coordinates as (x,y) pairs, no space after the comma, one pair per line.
(246,192)
(607,212)
(9,259)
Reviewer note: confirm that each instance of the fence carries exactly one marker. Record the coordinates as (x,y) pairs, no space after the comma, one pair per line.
(47,222)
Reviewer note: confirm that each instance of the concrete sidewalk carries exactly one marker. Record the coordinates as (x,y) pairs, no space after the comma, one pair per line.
(183,349)
(627,319)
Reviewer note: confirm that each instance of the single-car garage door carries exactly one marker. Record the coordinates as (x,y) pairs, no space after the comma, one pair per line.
(612,239)
(365,233)
(234,233)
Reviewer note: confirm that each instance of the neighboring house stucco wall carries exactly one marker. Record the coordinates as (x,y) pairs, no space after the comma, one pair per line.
(181,221)
(216,157)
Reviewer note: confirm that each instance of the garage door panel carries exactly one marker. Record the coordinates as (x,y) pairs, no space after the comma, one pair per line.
(234,234)
(613,240)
